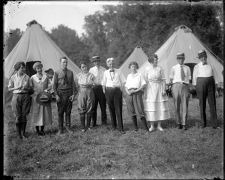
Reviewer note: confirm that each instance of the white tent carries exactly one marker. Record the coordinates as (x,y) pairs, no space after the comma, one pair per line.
(137,55)
(36,45)
(183,40)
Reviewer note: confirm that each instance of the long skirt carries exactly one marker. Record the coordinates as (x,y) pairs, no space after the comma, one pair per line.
(156,105)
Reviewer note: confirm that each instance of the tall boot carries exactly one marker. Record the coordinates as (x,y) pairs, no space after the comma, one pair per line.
(18,128)
(68,123)
(82,120)
(37,130)
(23,125)
(134,119)
(144,123)
(88,121)
(60,124)
(94,119)
(42,130)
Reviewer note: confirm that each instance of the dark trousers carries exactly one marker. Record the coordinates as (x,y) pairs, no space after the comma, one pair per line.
(21,104)
(206,89)
(64,106)
(114,101)
(99,98)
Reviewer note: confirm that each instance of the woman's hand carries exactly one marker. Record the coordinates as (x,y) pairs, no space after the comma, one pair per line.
(163,92)
(71,98)
(57,98)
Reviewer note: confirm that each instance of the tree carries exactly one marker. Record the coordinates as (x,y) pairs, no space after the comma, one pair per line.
(11,38)
(117,30)
(68,40)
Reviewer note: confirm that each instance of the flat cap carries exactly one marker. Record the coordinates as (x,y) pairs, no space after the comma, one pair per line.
(50,70)
(95,58)
(202,53)
(180,56)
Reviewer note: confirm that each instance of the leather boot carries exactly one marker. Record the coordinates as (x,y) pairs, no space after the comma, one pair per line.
(144,123)
(18,128)
(88,121)
(134,119)
(94,119)
(68,123)
(23,126)
(82,120)
(60,124)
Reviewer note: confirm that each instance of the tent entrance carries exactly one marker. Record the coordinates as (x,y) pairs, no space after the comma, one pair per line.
(29,68)
(191,66)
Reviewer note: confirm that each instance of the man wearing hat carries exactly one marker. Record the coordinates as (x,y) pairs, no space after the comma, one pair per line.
(203,79)
(180,76)
(98,72)
(64,88)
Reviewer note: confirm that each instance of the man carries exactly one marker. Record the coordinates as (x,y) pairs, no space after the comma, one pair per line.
(180,76)
(64,89)
(203,79)
(112,87)
(98,72)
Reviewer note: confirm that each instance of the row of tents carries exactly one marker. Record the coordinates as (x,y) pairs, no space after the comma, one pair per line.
(36,45)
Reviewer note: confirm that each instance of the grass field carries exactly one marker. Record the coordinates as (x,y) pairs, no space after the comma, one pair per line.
(103,153)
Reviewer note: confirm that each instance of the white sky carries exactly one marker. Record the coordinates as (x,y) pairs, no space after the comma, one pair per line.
(50,14)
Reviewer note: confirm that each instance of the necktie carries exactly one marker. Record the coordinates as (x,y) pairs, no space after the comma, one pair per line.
(65,78)
(182,75)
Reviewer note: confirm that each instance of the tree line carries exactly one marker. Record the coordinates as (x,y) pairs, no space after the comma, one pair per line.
(117,30)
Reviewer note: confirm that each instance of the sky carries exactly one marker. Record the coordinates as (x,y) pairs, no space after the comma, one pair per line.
(50,14)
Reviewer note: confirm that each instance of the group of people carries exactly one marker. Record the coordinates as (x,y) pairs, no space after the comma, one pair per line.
(145,94)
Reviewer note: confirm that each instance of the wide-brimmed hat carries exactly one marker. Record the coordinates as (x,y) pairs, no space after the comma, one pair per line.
(180,55)
(95,58)
(43,98)
(50,70)
(202,53)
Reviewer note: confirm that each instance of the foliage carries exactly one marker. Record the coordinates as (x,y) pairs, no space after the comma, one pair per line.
(123,27)
(68,40)
(10,40)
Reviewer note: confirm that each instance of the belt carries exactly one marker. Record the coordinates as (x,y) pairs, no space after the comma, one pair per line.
(112,87)
(86,86)
(133,89)
(181,83)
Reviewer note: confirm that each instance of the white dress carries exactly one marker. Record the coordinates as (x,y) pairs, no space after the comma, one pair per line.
(155,104)
(41,115)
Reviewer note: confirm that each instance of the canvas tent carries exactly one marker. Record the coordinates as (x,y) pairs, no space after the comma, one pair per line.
(183,40)
(137,55)
(36,45)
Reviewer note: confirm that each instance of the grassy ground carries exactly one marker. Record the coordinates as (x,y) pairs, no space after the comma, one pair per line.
(103,153)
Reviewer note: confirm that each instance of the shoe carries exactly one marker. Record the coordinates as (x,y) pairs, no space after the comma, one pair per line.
(25,136)
(89,128)
(184,127)
(122,132)
(42,133)
(59,133)
(83,130)
(216,127)
(151,129)
(68,130)
(179,126)
(160,128)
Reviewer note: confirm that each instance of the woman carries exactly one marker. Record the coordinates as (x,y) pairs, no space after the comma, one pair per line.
(19,83)
(86,96)
(155,99)
(134,86)
(41,113)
